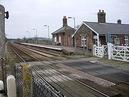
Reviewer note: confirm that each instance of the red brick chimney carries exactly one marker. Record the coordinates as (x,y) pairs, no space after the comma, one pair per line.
(101,16)
(65,21)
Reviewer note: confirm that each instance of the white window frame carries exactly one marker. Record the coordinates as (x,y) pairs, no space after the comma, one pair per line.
(83,41)
(126,39)
(116,40)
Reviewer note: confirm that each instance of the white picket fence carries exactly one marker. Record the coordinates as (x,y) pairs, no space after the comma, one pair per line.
(114,52)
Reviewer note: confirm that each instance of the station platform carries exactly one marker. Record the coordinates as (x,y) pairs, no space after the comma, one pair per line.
(71,50)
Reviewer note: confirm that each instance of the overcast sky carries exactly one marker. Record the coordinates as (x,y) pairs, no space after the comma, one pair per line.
(26,15)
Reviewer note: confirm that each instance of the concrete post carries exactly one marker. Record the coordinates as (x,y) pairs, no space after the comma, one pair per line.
(11,86)
(102,51)
(110,49)
(1,88)
(98,43)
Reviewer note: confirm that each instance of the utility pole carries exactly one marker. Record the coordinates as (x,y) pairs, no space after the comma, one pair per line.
(47,32)
(36,36)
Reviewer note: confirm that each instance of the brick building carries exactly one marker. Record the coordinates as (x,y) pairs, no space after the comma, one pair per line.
(63,36)
(98,33)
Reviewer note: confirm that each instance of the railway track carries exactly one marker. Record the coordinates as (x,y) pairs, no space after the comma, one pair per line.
(61,86)
(24,58)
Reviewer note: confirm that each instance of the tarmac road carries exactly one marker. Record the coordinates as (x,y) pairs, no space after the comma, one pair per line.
(96,69)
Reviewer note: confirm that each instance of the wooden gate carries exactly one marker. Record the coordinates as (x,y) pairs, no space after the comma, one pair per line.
(120,53)
(100,51)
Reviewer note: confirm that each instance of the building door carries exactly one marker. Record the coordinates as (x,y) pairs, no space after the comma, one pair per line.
(55,39)
(59,39)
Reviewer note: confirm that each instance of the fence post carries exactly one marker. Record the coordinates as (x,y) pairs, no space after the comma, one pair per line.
(93,50)
(11,86)
(125,58)
(27,80)
(110,49)
(102,51)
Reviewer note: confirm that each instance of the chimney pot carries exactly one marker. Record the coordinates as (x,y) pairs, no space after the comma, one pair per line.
(119,21)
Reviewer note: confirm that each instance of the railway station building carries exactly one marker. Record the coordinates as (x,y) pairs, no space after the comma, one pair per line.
(63,35)
(90,33)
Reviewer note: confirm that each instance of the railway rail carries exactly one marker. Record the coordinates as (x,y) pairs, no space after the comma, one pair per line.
(55,92)
(61,86)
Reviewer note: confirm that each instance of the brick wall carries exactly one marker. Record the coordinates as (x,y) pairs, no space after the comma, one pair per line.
(90,40)
(78,40)
(66,39)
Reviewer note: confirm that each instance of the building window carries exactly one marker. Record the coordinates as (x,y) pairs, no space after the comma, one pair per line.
(55,39)
(83,41)
(116,40)
(126,40)
(95,40)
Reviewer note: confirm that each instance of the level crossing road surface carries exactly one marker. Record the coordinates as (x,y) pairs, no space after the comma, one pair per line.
(97,69)
(61,72)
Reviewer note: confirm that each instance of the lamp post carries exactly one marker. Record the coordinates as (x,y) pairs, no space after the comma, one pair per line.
(74,40)
(73,21)
(35,34)
(48,30)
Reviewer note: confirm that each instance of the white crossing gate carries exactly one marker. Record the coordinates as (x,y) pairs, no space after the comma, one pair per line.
(100,51)
(120,53)
(105,50)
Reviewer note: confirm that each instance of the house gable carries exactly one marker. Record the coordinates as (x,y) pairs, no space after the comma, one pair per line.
(83,29)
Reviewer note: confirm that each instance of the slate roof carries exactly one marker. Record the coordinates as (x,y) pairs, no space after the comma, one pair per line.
(104,28)
(64,29)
